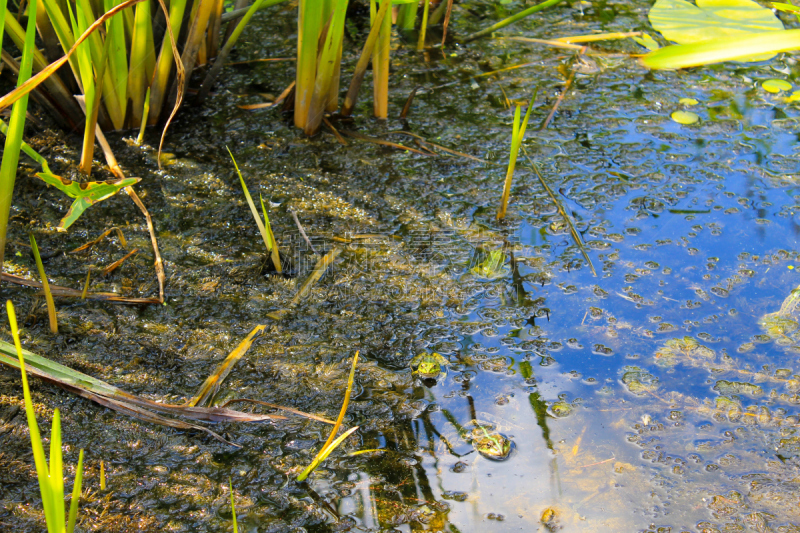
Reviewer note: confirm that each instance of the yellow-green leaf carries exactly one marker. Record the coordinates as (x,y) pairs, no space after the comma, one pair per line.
(688,101)
(776,86)
(85,194)
(685,117)
(719,50)
(686,23)
(646,41)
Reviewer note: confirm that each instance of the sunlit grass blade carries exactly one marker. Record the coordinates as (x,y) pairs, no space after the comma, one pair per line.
(517,135)
(380,67)
(510,20)
(160,83)
(309,25)
(423,27)
(76,494)
(51,306)
(407,15)
(145,114)
(265,235)
(117,63)
(331,444)
(233,508)
(328,55)
(273,251)
(16,127)
(102,476)
(719,50)
(363,60)
(142,61)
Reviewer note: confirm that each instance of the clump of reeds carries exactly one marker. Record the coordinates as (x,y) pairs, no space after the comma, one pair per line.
(517,135)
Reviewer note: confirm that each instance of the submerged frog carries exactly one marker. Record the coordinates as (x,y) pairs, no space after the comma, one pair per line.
(488,442)
(429,365)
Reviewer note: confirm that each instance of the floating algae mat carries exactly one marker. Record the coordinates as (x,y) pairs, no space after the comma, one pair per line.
(661,394)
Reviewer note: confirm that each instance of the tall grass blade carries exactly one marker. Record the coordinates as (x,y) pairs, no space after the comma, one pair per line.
(145,114)
(331,444)
(16,126)
(326,71)
(380,67)
(51,306)
(273,251)
(517,135)
(309,26)
(166,58)
(423,27)
(363,60)
(143,60)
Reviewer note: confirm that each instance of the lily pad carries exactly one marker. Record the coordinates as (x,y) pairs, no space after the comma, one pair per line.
(688,101)
(685,117)
(686,23)
(776,86)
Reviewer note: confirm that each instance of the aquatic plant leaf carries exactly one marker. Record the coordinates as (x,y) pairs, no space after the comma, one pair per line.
(684,117)
(776,86)
(86,194)
(686,23)
(646,41)
(724,49)
(688,101)
(638,381)
(685,349)
(778,326)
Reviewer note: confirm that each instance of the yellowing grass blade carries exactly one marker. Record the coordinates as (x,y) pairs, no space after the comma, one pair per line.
(212,382)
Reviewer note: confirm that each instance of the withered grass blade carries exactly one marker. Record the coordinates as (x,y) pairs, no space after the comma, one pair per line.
(211,385)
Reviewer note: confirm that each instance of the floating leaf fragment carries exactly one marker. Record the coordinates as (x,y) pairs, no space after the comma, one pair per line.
(688,101)
(776,86)
(647,41)
(684,117)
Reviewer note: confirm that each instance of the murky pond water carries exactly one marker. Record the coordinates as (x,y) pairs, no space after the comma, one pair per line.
(647,397)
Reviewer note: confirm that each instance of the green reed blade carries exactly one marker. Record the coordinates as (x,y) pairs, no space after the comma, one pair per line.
(143,60)
(76,494)
(165,61)
(145,114)
(117,58)
(16,126)
(51,306)
(326,68)
(407,15)
(363,60)
(56,472)
(423,27)
(380,69)
(309,26)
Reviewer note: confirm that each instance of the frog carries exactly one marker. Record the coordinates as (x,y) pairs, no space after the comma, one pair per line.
(429,365)
(488,442)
